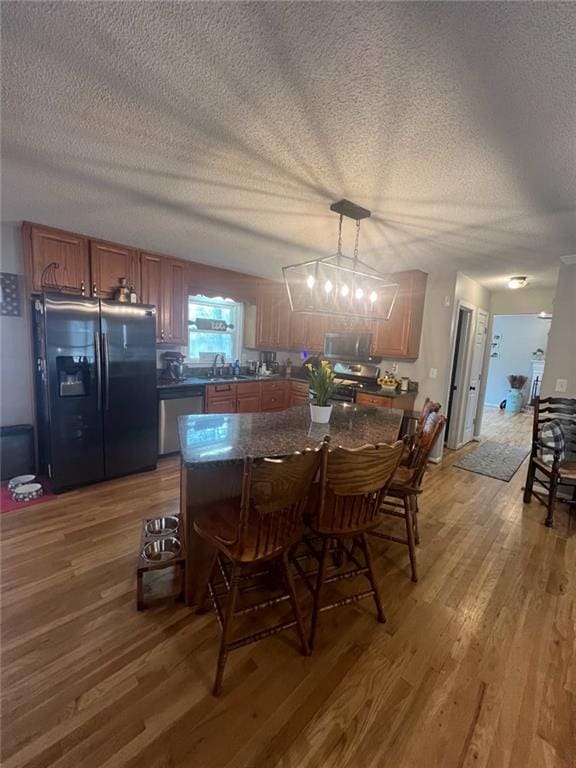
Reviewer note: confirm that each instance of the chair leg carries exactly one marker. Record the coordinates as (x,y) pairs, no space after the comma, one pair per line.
(415,520)
(204,603)
(227,628)
(318,593)
(408,513)
(372,578)
(295,607)
(529,482)
(552,491)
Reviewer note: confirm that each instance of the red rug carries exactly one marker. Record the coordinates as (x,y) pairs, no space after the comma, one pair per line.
(7,503)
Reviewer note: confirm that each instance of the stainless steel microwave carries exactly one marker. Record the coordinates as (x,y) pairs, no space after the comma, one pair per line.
(347,346)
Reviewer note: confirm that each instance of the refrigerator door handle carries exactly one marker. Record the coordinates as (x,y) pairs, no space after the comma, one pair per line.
(98,359)
(106,359)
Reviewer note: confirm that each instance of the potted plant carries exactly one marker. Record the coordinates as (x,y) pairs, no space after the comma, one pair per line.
(323,386)
(514,397)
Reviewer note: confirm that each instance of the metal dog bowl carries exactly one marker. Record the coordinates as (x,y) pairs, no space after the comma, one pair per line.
(161,526)
(162,550)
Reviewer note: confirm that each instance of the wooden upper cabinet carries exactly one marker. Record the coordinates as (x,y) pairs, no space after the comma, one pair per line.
(108,263)
(307,331)
(151,286)
(272,317)
(174,313)
(68,252)
(399,337)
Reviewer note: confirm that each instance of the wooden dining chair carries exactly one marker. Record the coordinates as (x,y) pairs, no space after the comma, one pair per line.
(430,406)
(552,464)
(406,485)
(254,530)
(352,484)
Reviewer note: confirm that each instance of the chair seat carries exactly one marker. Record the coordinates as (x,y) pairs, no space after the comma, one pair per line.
(566,470)
(401,482)
(218,523)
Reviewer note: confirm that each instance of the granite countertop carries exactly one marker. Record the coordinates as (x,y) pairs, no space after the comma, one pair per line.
(204,380)
(219,438)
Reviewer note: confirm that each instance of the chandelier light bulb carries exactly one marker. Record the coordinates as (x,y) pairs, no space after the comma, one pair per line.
(359,293)
(327,286)
(344,291)
(373,296)
(310,281)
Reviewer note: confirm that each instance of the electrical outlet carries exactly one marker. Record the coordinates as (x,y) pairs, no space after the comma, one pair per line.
(561,385)
(433,373)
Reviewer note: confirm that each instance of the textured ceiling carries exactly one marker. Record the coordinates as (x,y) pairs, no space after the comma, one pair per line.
(221,132)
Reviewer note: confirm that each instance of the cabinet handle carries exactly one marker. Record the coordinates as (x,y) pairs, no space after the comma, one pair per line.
(162,334)
(94,289)
(82,287)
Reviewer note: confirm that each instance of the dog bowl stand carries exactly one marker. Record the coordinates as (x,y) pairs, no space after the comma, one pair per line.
(145,566)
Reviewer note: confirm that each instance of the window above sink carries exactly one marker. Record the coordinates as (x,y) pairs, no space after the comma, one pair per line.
(215,327)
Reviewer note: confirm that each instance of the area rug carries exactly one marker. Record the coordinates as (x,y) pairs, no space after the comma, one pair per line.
(498,460)
(7,503)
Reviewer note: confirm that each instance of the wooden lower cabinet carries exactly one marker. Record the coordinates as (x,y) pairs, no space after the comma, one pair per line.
(255,396)
(299,393)
(403,402)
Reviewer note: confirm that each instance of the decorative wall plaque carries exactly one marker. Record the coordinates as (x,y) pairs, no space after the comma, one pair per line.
(10,295)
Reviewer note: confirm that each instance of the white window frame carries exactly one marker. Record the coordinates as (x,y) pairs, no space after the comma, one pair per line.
(237,332)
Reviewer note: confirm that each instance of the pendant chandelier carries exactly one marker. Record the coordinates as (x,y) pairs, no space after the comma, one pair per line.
(338,284)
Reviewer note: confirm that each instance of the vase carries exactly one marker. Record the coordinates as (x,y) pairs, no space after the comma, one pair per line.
(320,413)
(514,401)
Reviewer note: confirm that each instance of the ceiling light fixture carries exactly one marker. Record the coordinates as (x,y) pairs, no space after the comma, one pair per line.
(517,282)
(360,290)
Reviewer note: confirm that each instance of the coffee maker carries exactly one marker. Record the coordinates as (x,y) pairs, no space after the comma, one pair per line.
(268,362)
(173,367)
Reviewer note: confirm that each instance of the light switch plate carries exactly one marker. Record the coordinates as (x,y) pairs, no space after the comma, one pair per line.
(433,373)
(561,385)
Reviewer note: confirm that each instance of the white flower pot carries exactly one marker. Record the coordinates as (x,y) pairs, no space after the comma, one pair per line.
(320,413)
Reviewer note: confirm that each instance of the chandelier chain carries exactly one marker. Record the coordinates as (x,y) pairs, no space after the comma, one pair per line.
(356,243)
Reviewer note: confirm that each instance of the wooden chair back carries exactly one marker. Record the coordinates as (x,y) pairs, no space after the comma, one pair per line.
(560,409)
(274,495)
(429,407)
(422,447)
(353,484)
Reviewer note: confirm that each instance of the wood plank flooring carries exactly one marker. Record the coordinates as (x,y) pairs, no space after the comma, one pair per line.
(475,666)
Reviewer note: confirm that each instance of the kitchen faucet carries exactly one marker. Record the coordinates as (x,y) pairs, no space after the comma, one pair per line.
(218,371)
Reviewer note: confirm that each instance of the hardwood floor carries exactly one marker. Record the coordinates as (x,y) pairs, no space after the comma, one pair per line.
(475,666)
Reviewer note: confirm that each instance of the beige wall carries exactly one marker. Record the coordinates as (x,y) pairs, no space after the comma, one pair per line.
(16,399)
(524,301)
(561,352)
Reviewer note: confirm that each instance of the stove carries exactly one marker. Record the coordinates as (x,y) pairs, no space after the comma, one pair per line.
(351,377)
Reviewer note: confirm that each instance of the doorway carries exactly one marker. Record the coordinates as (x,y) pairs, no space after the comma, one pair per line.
(467,364)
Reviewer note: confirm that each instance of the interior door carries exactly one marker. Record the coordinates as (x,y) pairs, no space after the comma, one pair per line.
(72,381)
(130,403)
(475,375)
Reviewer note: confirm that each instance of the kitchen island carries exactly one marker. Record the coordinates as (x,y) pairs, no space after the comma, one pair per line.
(213,448)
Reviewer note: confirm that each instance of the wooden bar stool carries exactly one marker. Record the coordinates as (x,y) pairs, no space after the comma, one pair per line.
(253,531)
(402,494)
(352,486)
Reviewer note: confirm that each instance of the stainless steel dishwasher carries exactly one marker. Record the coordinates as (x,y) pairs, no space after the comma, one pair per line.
(173,402)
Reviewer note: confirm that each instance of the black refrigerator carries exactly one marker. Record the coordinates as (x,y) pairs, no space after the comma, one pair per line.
(96,388)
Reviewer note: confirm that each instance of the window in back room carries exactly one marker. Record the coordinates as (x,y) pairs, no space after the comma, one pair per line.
(215,326)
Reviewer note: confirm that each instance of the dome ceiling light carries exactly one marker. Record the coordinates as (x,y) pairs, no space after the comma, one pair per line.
(338,284)
(519,281)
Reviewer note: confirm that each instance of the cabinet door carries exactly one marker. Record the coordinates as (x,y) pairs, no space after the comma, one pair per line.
(272,317)
(316,332)
(174,302)
(248,404)
(66,251)
(151,286)
(399,337)
(108,263)
(274,396)
(221,405)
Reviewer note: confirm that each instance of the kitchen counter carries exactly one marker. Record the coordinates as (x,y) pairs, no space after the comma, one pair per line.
(213,448)
(209,438)
(203,380)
